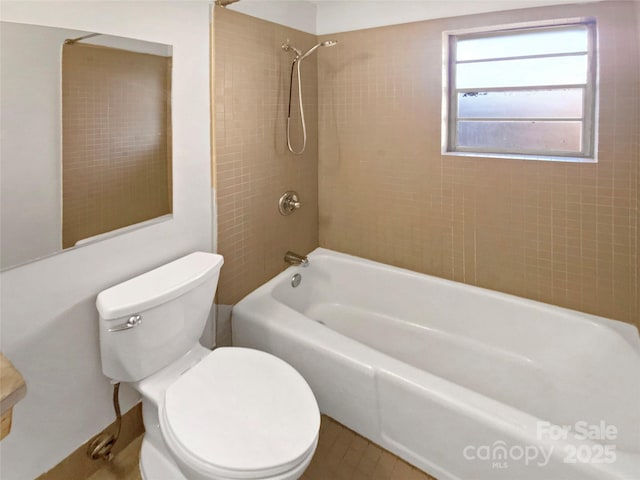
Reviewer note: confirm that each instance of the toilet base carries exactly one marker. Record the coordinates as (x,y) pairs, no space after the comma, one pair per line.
(156,466)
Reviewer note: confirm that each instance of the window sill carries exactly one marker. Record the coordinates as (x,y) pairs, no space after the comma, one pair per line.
(515,156)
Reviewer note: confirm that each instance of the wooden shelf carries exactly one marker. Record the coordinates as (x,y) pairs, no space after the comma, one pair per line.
(12,390)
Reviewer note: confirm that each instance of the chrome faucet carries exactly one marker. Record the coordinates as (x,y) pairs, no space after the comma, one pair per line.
(294,259)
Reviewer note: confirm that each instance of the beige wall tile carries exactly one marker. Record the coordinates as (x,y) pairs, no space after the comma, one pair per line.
(253,166)
(560,233)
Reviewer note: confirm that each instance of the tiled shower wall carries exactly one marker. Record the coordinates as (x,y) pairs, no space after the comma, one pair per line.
(637,143)
(562,233)
(116,164)
(252,164)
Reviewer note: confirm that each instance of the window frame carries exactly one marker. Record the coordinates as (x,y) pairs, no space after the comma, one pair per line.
(588,152)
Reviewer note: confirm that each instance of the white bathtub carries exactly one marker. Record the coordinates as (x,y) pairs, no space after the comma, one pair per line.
(457,380)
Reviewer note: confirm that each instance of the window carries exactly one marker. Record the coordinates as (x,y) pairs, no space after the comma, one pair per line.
(526,92)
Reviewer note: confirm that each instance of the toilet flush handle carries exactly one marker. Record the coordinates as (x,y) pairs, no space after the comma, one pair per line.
(134,320)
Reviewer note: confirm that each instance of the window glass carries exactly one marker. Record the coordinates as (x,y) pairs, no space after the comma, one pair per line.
(560,103)
(528,92)
(541,42)
(566,70)
(525,136)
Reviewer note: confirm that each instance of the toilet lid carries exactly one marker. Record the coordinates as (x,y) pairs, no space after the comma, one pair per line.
(240,413)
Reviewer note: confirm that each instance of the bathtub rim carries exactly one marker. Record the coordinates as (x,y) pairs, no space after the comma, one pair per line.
(627,331)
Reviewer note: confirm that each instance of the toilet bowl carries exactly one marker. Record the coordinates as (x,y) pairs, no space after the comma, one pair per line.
(231,413)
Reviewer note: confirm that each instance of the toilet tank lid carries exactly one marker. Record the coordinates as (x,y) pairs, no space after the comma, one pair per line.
(158,286)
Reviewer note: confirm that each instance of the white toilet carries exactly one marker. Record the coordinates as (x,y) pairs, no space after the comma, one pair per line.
(230,413)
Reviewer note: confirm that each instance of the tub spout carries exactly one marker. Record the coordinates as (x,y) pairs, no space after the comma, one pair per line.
(294,259)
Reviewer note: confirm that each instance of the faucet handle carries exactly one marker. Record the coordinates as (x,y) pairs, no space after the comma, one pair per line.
(295,205)
(289,202)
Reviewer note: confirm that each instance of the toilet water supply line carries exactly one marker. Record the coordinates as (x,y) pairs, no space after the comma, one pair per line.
(101,446)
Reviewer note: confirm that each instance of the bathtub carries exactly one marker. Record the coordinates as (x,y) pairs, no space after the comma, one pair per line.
(462,382)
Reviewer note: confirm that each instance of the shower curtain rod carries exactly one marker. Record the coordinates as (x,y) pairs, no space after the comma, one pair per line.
(71,41)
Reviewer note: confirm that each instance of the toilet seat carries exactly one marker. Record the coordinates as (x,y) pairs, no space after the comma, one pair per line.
(240,414)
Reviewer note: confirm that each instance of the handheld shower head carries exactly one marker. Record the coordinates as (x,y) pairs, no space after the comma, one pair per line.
(326,43)
(296,66)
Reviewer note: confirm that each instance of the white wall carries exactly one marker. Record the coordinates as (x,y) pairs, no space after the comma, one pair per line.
(48,316)
(30,151)
(341,16)
(332,16)
(298,14)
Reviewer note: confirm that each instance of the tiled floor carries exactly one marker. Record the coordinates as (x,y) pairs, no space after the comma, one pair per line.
(345,455)
(341,455)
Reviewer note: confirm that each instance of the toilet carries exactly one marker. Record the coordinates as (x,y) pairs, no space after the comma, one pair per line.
(230,413)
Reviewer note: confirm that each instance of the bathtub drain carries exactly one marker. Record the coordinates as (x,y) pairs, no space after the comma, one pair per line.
(295,280)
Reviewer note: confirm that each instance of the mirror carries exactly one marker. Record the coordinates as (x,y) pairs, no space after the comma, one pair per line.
(85,146)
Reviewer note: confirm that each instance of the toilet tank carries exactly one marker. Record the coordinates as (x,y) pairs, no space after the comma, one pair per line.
(148,322)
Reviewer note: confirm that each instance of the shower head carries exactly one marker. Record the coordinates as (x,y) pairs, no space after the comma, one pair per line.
(326,43)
